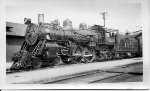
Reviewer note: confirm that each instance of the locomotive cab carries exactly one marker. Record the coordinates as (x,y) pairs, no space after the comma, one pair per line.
(110,36)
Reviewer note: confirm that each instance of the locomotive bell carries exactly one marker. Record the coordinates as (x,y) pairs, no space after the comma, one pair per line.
(67,23)
(83,26)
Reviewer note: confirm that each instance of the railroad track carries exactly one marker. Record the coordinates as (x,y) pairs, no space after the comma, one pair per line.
(8,71)
(97,75)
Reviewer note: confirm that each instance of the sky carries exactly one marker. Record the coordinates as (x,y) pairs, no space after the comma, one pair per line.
(121,14)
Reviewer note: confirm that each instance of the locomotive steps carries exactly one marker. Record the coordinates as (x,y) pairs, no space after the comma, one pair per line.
(58,73)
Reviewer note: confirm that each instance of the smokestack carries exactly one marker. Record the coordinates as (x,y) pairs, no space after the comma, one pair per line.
(40,19)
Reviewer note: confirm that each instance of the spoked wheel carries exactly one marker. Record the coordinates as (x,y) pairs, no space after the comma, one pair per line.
(88,55)
(104,53)
(77,52)
(36,63)
(84,54)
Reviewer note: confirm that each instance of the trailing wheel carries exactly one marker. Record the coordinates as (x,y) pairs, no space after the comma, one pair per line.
(105,53)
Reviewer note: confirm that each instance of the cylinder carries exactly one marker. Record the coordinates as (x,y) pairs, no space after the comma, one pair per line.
(40,18)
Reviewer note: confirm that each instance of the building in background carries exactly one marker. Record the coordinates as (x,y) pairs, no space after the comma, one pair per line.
(14,38)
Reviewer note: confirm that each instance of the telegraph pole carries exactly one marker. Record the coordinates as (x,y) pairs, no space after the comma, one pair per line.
(104,16)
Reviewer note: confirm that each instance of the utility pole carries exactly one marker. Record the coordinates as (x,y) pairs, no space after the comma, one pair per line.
(104,16)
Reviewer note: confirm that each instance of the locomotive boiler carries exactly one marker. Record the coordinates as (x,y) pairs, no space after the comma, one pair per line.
(49,44)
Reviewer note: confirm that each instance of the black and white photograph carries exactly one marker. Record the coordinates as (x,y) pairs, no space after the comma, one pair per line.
(59,42)
(73,41)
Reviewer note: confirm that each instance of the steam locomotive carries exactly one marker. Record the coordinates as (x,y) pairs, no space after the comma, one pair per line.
(48,44)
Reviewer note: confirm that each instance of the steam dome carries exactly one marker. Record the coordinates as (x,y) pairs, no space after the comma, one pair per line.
(67,23)
(83,26)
